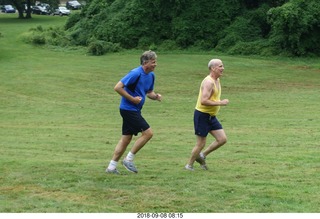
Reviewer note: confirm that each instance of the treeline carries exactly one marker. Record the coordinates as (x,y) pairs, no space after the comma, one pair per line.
(261,27)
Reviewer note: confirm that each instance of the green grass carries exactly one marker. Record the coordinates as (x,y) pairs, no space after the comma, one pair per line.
(59,125)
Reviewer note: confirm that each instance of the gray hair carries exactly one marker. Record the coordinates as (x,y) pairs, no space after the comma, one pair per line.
(213,63)
(146,56)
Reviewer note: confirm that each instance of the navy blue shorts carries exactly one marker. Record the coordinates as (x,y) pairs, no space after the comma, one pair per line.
(204,123)
(132,122)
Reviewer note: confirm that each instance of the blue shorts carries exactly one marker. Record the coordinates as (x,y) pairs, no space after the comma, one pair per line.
(204,123)
(132,122)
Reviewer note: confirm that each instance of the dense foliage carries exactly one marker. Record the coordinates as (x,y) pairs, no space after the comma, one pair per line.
(262,27)
(296,27)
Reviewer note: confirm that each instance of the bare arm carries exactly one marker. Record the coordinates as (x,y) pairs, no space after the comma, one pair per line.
(154,96)
(207,90)
(119,88)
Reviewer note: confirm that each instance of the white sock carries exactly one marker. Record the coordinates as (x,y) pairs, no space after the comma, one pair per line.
(112,165)
(130,156)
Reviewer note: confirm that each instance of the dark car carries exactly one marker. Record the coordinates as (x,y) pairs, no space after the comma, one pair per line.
(39,10)
(73,5)
(8,9)
(61,11)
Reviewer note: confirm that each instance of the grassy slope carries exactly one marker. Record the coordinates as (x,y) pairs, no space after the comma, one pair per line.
(60,123)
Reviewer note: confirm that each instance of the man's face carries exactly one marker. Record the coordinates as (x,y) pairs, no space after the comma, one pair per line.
(150,65)
(218,69)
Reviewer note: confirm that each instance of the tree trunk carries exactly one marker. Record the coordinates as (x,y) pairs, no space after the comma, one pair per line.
(21,9)
(28,12)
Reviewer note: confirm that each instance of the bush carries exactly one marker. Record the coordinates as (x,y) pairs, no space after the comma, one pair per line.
(99,47)
(144,43)
(258,47)
(57,37)
(73,19)
(35,36)
(96,47)
(79,37)
(112,47)
(153,47)
(168,45)
(296,27)
(228,41)
(38,39)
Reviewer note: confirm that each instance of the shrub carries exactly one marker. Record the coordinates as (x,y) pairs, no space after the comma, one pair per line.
(96,47)
(258,47)
(99,47)
(168,45)
(144,43)
(73,19)
(38,39)
(296,27)
(228,41)
(112,47)
(153,46)
(57,37)
(35,36)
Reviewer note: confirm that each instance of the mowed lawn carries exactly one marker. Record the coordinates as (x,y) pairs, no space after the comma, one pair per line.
(59,123)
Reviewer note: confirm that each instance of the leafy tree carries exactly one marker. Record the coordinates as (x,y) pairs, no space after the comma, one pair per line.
(233,26)
(135,23)
(296,27)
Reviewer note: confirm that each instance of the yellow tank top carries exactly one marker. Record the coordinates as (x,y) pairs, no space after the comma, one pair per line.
(215,96)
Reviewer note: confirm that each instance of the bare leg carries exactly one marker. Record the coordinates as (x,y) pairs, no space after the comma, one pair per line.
(221,139)
(142,140)
(121,147)
(201,142)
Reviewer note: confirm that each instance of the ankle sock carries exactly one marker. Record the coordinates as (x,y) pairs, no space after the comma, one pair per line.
(130,156)
(112,165)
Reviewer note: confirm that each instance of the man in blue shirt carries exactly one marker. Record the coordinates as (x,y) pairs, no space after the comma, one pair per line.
(134,88)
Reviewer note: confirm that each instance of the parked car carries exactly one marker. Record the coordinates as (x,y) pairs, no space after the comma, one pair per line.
(46,6)
(61,11)
(8,9)
(39,10)
(73,5)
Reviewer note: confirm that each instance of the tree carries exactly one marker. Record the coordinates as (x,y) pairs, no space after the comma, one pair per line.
(133,23)
(232,26)
(296,27)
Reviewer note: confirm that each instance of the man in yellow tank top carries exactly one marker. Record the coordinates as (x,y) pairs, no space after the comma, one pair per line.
(205,120)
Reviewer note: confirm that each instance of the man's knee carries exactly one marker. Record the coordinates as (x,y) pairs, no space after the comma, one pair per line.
(223,140)
(148,133)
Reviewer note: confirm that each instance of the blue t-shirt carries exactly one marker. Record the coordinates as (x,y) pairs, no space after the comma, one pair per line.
(145,84)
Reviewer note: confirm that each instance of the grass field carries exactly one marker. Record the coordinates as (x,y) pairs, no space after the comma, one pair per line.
(59,125)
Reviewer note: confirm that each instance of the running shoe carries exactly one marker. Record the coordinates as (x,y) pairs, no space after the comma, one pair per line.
(115,171)
(188,167)
(129,165)
(202,161)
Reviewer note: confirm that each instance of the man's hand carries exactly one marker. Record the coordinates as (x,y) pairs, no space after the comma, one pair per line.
(158,97)
(224,102)
(136,100)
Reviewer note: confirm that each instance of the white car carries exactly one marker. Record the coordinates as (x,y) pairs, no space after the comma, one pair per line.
(73,5)
(61,11)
